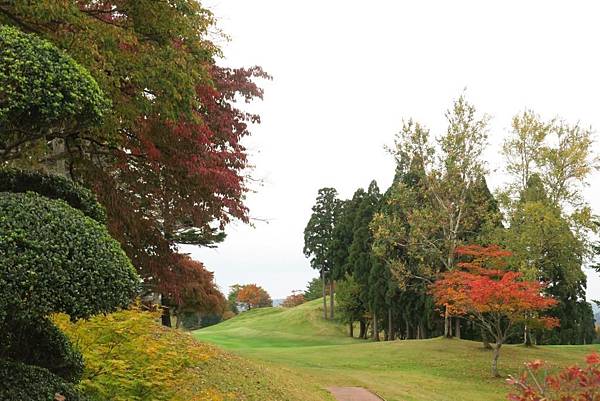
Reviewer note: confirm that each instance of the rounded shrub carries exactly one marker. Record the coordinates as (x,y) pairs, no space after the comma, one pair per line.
(42,88)
(42,344)
(22,382)
(53,187)
(53,258)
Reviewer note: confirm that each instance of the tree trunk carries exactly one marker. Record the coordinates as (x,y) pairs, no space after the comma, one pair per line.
(457,329)
(447,324)
(166,316)
(351,329)
(407,334)
(331,294)
(324,294)
(375,327)
(363,329)
(422,330)
(527,337)
(390,326)
(495,360)
(178,316)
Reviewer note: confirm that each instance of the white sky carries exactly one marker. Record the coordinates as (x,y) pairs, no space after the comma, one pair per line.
(347,72)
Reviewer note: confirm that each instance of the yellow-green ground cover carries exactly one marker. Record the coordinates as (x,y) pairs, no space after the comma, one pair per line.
(302,344)
(129,356)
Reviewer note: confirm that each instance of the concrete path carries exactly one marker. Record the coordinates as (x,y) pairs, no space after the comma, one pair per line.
(353,394)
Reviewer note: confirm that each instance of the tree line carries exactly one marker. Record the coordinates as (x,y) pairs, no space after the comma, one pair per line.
(380,252)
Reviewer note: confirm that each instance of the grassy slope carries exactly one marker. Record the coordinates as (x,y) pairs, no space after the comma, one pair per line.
(423,370)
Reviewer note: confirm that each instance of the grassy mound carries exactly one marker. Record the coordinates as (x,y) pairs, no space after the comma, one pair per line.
(413,370)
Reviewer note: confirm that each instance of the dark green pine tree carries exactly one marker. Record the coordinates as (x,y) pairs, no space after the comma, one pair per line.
(343,235)
(360,254)
(318,238)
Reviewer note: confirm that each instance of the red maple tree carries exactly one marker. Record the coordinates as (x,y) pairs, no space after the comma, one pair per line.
(494,298)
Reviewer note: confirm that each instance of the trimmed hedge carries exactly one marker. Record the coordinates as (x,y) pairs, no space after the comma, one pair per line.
(42,88)
(55,259)
(20,382)
(42,344)
(53,187)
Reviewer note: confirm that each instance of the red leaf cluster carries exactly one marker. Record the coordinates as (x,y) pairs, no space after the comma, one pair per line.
(483,288)
(293,300)
(571,384)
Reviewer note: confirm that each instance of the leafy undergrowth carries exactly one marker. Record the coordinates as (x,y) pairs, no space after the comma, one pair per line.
(414,370)
(129,356)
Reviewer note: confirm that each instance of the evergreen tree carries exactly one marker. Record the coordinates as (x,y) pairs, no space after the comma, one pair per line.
(318,238)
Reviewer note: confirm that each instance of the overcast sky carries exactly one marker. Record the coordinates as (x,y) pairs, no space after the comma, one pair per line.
(345,75)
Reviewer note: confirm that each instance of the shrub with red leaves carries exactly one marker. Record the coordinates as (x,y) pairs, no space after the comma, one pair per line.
(574,383)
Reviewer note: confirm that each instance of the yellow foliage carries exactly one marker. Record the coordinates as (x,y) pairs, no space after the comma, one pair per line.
(129,356)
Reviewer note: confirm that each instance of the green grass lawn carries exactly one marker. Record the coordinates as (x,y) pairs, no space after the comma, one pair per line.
(300,342)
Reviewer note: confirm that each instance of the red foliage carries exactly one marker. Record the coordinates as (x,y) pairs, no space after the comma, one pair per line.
(571,384)
(493,298)
(293,300)
(484,288)
(254,296)
(180,175)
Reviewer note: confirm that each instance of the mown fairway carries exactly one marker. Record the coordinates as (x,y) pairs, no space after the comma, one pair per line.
(424,370)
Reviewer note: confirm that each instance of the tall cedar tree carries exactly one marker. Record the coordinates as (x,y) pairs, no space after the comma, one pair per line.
(360,254)
(167,163)
(318,239)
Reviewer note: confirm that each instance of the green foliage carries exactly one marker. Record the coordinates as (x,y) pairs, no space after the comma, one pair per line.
(42,344)
(53,187)
(55,259)
(314,289)
(31,383)
(43,92)
(348,299)
(318,234)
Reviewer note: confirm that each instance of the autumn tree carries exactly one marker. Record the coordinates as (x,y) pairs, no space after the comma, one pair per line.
(167,163)
(318,239)
(294,299)
(449,172)
(200,294)
(494,298)
(254,296)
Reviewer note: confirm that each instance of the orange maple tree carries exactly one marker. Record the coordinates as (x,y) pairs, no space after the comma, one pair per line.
(493,297)
(254,296)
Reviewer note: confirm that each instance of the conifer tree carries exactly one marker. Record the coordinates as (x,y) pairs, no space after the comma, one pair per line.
(318,239)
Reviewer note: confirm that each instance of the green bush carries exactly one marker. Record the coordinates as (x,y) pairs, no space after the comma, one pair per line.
(42,344)
(20,382)
(53,187)
(55,259)
(43,89)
